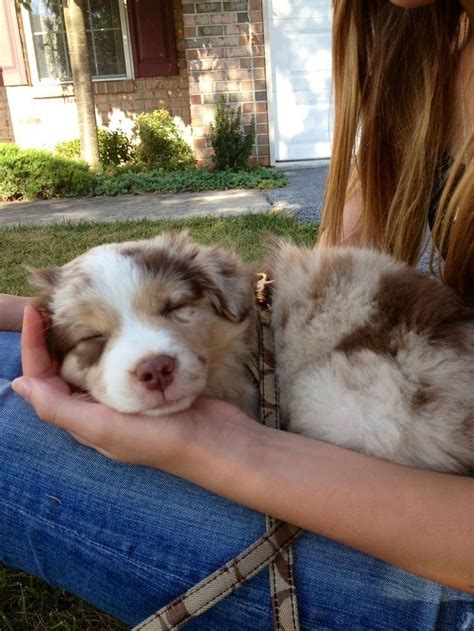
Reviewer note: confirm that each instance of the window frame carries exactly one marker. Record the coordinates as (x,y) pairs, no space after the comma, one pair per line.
(33,64)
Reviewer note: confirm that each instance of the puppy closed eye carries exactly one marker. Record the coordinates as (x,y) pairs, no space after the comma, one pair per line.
(89,349)
(92,338)
(182,312)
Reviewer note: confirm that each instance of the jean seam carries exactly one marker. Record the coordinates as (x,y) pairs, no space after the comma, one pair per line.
(75,535)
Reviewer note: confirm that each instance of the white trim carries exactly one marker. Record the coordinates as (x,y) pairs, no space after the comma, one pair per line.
(30,49)
(33,64)
(126,39)
(267,7)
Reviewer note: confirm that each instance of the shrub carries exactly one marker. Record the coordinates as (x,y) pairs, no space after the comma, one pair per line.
(114,147)
(232,146)
(161,144)
(39,174)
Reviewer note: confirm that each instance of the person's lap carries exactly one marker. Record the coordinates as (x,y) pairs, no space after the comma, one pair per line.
(129,539)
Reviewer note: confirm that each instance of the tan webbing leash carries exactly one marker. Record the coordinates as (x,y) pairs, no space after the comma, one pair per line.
(273,548)
(281,569)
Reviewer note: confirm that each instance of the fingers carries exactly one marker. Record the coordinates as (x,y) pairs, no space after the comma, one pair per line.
(34,356)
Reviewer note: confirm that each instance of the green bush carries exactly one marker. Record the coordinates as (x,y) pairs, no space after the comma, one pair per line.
(232,146)
(38,174)
(130,182)
(114,147)
(161,144)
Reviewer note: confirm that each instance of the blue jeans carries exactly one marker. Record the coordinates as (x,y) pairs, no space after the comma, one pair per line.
(129,539)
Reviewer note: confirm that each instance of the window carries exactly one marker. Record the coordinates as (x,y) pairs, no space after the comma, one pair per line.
(152,43)
(106,32)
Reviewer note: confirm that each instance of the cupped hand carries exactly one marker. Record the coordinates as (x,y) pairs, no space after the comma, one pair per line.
(167,442)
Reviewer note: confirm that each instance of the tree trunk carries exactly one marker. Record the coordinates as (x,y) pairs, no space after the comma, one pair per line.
(74,18)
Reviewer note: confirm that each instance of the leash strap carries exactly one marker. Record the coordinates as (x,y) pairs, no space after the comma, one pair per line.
(223,581)
(282,578)
(273,548)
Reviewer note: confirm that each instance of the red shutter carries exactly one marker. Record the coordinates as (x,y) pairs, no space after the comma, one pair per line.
(12,64)
(153,37)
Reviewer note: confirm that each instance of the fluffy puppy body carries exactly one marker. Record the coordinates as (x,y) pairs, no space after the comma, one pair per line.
(371,355)
(148,326)
(374,356)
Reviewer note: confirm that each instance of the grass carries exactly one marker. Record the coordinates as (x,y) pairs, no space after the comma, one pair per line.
(54,245)
(27,603)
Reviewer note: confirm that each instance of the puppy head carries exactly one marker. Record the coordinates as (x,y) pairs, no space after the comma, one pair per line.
(139,325)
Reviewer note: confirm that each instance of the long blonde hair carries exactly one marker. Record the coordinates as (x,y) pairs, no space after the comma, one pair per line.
(393,75)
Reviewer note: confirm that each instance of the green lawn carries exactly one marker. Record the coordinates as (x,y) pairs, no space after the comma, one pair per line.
(27,603)
(44,246)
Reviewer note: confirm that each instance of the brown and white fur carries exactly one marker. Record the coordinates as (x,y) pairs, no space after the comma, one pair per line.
(371,354)
(148,326)
(374,356)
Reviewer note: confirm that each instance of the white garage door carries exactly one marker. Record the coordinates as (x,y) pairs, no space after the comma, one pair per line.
(298,36)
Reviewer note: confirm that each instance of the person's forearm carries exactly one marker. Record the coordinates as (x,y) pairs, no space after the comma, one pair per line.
(417,520)
(11,312)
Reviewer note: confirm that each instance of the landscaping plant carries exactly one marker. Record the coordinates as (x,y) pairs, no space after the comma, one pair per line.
(161,145)
(232,145)
(114,148)
(27,174)
(133,182)
(39,174)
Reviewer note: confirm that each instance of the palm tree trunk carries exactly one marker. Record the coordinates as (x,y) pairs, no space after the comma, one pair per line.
(74,18)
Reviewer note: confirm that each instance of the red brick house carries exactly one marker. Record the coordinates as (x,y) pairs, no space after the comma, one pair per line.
(271,57)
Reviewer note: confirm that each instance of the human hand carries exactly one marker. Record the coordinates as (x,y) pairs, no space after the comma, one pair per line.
(177,443)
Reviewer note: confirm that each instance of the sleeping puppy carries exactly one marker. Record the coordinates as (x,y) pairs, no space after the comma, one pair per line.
(371,354)
(145,327)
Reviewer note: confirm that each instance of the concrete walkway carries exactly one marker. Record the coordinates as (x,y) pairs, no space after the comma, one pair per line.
(157,206)
(302,198)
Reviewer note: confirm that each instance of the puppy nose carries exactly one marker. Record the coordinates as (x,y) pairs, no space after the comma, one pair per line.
(156,373)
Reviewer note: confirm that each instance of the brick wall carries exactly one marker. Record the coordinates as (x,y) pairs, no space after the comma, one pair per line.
(226,57)
(6,131)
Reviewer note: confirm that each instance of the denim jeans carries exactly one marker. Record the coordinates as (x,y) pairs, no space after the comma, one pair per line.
(130,539)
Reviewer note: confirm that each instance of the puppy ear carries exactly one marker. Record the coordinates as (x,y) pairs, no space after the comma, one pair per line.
(45,279)
(229,284)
